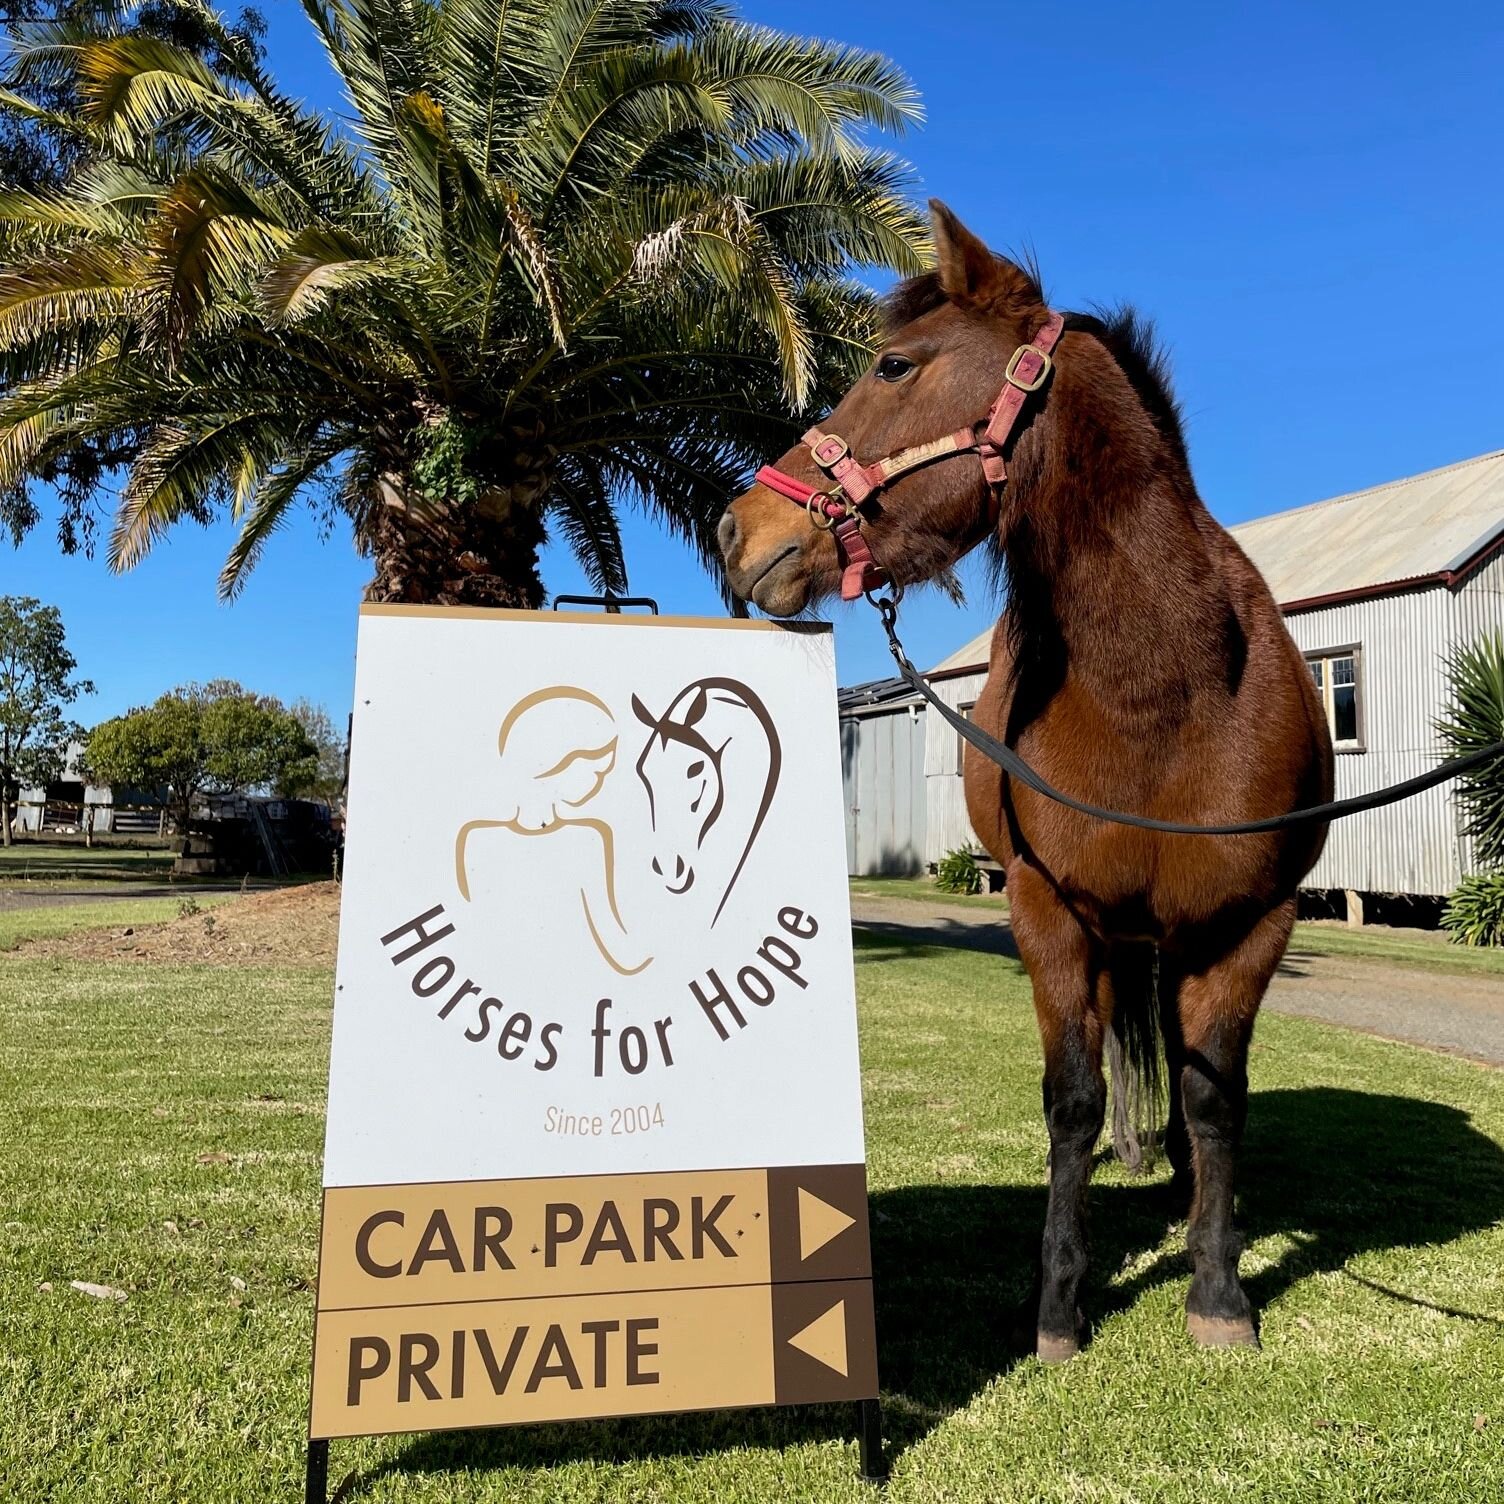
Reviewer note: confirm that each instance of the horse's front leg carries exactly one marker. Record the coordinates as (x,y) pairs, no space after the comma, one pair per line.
(1218,1003)
(1067,977)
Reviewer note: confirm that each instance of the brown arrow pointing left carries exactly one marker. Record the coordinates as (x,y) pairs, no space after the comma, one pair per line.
(824,1339)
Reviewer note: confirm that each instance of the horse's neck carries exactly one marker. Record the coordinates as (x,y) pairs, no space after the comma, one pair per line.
(1116,590)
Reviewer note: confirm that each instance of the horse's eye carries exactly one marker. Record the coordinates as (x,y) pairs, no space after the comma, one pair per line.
(694,769)
(894,367)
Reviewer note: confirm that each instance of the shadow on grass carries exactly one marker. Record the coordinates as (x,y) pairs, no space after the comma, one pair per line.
(883,939)
(1340,1173)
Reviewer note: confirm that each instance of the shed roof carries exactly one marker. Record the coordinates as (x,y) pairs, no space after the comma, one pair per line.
(857,697)
(974,655)
(1424,528)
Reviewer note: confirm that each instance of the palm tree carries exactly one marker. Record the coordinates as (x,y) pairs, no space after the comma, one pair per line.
(563,252)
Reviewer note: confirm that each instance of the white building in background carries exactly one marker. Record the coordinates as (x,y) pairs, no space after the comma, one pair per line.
(1377,588)
(63,803)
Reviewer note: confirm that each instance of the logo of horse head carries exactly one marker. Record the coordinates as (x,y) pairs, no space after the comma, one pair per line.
(683,767)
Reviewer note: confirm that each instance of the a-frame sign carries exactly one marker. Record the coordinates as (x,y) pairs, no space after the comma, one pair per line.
(594,1142)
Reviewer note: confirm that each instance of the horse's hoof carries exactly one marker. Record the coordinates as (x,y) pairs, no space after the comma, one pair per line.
(1218,1331)
(1054,1349)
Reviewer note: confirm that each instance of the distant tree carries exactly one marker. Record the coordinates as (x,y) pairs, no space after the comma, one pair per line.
(215,738)
(327,776)
(36,683)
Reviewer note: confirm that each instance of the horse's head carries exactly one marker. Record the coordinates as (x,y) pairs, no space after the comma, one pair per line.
(942,362)
(681,771)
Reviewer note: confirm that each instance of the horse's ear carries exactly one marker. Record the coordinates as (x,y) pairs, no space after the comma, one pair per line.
(971,274)
(643,714)
(967,268)
(696,712)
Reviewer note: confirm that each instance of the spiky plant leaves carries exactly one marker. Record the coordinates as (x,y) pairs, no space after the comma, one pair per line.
(1474,914)
(1474,720)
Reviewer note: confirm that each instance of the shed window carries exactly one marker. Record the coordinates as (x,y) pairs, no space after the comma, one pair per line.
(965,710)
(1339,683)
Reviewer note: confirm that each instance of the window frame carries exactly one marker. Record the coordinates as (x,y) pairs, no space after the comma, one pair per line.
(1325,656)
(965,708)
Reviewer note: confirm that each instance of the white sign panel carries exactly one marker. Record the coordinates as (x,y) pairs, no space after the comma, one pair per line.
(595,914)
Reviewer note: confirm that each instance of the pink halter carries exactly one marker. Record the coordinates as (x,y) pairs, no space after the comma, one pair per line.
(838,508)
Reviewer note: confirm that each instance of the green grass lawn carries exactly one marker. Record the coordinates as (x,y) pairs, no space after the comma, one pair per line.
(74,865)
(1432,951)
(46,922)
(160,1132)
(42,867)
(923,889)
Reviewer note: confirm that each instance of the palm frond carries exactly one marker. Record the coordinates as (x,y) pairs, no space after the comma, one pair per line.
(209,229)
(1474,719)
(782,87)
(318,263)
(580,503)
(268,510)
(179,473)
(56,292)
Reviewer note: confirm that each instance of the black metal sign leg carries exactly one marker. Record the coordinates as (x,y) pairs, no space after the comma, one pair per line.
(316,1490)
(869,1422)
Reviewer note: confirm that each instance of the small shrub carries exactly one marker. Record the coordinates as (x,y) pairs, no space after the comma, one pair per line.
(957,872)
(187,908)
(1474,914)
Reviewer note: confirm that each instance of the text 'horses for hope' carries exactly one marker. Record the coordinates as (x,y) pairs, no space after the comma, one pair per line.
(1141,663)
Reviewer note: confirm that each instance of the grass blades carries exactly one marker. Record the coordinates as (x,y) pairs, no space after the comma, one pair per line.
(160,1132)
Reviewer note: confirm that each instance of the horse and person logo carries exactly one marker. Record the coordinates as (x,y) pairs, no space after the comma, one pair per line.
(640,793)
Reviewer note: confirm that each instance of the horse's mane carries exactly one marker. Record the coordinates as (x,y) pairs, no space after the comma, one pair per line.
(1131,341)
(1128,336)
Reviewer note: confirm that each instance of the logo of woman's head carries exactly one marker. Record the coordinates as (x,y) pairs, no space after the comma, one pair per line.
(557,748)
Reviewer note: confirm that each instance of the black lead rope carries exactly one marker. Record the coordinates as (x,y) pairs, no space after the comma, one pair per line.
(1014,765)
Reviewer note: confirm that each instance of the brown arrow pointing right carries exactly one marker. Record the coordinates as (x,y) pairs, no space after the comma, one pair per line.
(819,1222)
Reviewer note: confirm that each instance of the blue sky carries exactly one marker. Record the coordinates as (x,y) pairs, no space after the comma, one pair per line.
(1305,197)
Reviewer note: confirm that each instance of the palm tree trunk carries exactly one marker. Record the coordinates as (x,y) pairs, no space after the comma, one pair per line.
(483,554)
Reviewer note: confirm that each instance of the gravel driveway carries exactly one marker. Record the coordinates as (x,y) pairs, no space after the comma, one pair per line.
(19,896)
(1450,1011)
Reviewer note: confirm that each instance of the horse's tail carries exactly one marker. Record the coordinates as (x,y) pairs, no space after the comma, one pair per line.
(1135,1053)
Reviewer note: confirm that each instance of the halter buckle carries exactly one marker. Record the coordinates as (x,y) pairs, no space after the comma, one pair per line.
(826,460)
(1023,383)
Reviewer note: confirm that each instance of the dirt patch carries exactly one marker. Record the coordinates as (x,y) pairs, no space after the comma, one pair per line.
(290,927)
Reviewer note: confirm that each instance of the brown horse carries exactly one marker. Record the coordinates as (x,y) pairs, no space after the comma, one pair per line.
(1142,664)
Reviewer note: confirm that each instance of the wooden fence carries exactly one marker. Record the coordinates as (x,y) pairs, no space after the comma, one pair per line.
(65,817)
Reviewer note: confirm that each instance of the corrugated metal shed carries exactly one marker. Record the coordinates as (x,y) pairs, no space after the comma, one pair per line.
(973,655)
(882,773)
(1424,528)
